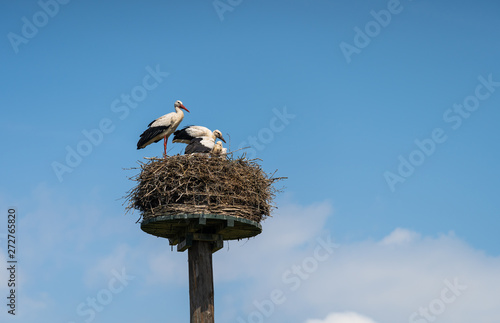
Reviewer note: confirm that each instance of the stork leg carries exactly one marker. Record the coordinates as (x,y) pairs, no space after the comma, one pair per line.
(165,146)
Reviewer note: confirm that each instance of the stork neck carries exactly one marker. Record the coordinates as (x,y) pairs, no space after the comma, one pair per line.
(179,111)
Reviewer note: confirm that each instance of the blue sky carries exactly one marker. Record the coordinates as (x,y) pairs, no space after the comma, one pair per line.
(382,114)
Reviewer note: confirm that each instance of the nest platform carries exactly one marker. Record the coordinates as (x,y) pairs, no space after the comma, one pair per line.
(182,229)
(199,197)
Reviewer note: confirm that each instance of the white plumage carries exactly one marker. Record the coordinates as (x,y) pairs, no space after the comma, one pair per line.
(186,134)
(203,144)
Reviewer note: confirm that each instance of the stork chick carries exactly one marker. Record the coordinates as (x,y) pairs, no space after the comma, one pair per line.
(218,150)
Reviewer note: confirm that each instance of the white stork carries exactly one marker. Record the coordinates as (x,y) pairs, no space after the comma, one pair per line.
(162,127)
(186,134)
(203,144)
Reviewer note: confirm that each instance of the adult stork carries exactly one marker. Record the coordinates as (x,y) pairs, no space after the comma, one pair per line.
(203,144)
(162,127)
(186,134)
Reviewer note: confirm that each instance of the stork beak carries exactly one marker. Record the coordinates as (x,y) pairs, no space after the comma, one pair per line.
(183,107)
(222,139)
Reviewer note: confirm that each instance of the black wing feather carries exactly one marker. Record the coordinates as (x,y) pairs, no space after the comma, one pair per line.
(195,146)
(149,134)
(182,136)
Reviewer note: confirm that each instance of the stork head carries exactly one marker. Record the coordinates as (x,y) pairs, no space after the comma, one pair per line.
(218,134)
(178,104)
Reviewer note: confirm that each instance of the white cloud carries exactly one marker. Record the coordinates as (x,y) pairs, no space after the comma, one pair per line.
(344,317)
(390,284)
(388,280)
(399,236)
(285,239)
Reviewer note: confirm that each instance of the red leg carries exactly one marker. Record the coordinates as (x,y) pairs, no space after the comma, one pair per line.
(165,146)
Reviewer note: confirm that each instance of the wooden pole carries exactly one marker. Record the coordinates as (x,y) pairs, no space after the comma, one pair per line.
(201,282)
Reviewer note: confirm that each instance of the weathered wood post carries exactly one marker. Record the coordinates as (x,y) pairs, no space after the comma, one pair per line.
(201,235)
(197,202)
(201,282)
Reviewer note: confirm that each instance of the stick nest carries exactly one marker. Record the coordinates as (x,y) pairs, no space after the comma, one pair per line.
(200,184)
